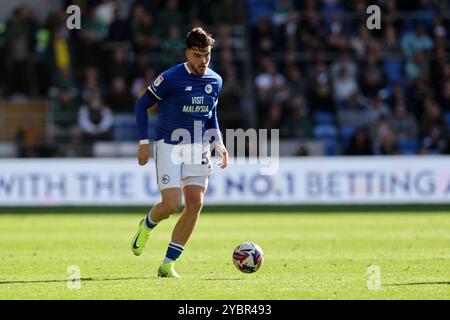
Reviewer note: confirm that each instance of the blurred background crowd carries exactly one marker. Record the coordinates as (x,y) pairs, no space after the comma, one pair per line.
(309,68)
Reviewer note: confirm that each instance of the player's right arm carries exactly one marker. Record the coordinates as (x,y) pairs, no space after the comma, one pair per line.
(141,107)
(155,92)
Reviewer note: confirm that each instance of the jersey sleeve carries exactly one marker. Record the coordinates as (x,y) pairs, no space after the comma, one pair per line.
(141,107)
(213,122)
(160,87)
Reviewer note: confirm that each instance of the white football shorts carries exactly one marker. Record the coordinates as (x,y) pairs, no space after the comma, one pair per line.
(182,165)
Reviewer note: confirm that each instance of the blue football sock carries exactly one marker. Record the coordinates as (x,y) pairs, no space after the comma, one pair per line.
(173,252)
(149,224)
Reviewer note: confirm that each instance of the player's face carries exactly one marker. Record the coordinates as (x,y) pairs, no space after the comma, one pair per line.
(198,59)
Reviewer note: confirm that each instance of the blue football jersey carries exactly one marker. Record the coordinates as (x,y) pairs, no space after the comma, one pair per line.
(184,97)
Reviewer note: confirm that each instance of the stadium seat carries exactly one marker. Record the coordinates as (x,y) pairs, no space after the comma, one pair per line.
(408,146)
(331,147)
(394,71)
(322,117)
(434,151)
(347,135)
(447,119)
(325,131)
(125,128)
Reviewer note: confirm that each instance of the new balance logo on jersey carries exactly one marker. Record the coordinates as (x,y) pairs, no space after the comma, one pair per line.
(188,88)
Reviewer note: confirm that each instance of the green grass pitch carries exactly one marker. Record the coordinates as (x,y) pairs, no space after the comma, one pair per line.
(307,256)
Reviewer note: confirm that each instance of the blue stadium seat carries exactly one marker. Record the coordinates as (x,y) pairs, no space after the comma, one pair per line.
(125,128)
(408,146)
(325,131)
(322,117)
(347,135)
(394,70)
(331,147)
(434,151)
(447,119)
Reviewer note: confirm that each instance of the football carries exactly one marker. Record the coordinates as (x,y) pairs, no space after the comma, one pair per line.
(248,257)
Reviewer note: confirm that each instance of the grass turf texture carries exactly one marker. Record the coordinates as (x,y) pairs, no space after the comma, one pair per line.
(307,256)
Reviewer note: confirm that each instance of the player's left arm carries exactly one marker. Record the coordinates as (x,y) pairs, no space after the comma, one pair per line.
(212,125)
(144,102)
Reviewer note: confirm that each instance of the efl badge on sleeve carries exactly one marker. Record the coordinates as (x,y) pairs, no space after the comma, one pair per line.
(158,80)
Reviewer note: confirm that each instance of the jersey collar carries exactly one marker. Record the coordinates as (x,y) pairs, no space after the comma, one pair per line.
(190,72)
(187,68)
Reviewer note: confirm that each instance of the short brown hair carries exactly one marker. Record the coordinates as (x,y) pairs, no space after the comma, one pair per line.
(199,38)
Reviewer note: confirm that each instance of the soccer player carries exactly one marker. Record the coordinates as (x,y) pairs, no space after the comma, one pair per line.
(187,96)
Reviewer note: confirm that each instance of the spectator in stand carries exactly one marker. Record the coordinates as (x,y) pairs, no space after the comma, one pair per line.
(431,116)
(146,34)
(322,99)
(89,45)
(416,41)
(302,151)
(353,113)
(61,53)
(232,116)
(377,109)
(344,85)
(344,62)
(360,144)
(436,140)
(140,83)
(312,32)
(319,88)
(360,42)
(295,82)
(403,123)
(445,96)
(64,127)
(390,42)
(104,12)
(263,38)
(19,46)
(397,95)
(97,28)
(257,10)
(119,98)
(387,145)
(273,121)
(26,139)
(119,29)
(298,124)
(269,80)
(95,121)
(230,12)
(289,32)
(372,79)
(118,66)
(172,47)
(417,67)
(91,82)
(170,15)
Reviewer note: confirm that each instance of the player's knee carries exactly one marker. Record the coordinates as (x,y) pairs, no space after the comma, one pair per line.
(194,204)
(171,207)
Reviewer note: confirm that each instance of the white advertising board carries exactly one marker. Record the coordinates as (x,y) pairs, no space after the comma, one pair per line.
(310,180)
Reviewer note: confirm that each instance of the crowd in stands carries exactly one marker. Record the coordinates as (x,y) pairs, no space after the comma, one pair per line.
(313,69)
(361,91)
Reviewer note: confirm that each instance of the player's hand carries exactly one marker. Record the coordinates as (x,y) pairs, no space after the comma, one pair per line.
(220,148)
(143,154)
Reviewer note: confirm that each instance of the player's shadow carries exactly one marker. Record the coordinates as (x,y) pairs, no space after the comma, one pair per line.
(98,280)
(222,279)
(418,283)
(81,279)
